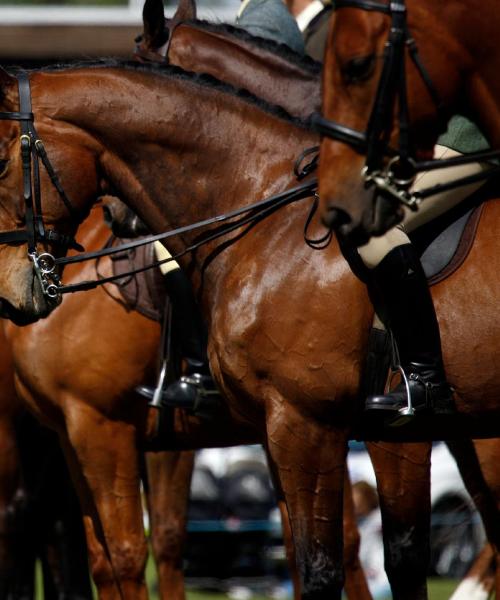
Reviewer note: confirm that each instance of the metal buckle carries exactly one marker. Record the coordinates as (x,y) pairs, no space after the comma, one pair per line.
(383,181)
(47,263)
(402,179)
(44,267)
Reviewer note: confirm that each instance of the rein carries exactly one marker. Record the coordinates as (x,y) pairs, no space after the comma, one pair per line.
(259,210)
(394,180)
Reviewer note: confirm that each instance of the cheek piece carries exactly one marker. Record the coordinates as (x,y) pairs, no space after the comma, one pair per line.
(32,153)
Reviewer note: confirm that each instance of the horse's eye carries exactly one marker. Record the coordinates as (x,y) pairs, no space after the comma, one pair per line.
(4,163)
(358,69)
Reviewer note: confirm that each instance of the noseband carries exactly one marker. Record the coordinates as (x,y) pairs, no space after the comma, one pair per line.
(32,152)
(395,179)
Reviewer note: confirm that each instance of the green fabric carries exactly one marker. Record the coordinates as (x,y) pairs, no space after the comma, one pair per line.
(463,136)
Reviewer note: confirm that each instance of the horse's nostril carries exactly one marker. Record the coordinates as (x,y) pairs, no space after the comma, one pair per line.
(336,218)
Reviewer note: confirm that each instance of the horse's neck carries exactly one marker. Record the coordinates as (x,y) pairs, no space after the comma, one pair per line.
(469,33)
(480,28)
(246,65)
(175,151)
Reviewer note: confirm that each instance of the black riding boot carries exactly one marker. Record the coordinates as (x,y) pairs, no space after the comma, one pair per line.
(191,336)
(400,285)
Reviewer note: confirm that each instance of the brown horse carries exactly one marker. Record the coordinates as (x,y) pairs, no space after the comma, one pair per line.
(302,73)
(267,69)
(106,383)
(39,514)
(183,38)
(457,46)
(244,344)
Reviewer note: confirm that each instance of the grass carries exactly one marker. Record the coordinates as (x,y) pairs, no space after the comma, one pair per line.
(439,589)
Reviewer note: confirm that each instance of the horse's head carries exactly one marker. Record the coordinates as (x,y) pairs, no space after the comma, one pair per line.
(355,80)
(48,227)
(158,29)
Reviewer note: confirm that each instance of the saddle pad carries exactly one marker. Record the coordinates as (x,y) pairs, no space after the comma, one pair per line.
(143,292)
(450,248)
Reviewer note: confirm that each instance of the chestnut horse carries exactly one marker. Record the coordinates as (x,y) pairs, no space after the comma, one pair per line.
(98,373)
(302,74)
(191,46)
(276,75)
(312,399)
(39,513)
(458,49)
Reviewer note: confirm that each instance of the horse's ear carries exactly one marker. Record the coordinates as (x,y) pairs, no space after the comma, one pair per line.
(153,18)
(186,10)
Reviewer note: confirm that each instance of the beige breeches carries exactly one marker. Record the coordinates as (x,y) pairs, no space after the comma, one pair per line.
(377,248)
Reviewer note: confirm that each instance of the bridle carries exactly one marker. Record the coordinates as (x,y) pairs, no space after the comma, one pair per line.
(394,180)
(32,152)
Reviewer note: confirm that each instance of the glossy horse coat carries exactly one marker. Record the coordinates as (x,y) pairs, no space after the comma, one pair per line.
(261,315)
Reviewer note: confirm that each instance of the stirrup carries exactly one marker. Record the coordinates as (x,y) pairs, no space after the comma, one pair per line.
(405,413)
(156,401)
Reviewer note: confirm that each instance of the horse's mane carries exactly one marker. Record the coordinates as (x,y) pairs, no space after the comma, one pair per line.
(174,72)
(282,50)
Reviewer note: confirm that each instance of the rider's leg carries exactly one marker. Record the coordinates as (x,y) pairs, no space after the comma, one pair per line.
(188,326)
(399,288)
(190,332)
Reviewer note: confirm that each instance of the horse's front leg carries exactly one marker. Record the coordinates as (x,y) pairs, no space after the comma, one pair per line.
(309,458)
(169,478)
(403,481)
(104,461)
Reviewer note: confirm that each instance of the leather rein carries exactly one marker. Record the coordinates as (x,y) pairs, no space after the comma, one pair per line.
(395,179)
(45,264)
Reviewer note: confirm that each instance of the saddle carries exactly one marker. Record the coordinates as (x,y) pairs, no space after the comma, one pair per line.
(144,291)
(445,242)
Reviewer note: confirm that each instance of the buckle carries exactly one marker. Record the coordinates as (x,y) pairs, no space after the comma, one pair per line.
(198,380)
(397,7)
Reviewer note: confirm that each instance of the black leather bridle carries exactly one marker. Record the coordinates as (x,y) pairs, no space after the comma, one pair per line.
(32,152)
(395,179)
